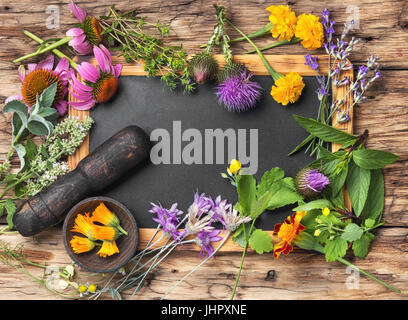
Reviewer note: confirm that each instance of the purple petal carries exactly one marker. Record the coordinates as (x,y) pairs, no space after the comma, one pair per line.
(79,84)
(103,61)
(79,13)
(117,70)
(83,105)
(14,97)
(88,72)
(21,72)
(83,97)
(74,32)
(47,63)
(62,66)
(62,107)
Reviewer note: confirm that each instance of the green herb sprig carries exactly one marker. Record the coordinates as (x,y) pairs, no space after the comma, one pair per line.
(134,37)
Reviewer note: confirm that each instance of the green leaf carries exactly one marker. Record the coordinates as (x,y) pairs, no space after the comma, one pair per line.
(323,131)
(1,209)
(315,204)
(47,97)
(31,149)
(301,145)
(337,181)
(11,209)
(374,205)
(369,223)
(39,128)
(246,187)
(361,246)
(308,242)
(260,241)
(373,159)
(21,152)
(335,249)
(10,178)
(358,184)
(268,179)
(47,112)
(352,232)
(19,108)
(260,205)
(239,234)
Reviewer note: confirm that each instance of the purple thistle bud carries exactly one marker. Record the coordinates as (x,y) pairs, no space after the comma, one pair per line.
(204,240)
(239,93)
(310,182)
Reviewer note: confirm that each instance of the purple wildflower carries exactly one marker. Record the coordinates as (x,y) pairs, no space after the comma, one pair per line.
(311,182)
(201,205)
(204,240)
(312,62)
(321,93)
(218,206)
(239,93)
(169,220)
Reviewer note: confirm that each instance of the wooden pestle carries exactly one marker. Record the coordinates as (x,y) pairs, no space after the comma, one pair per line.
(107,163)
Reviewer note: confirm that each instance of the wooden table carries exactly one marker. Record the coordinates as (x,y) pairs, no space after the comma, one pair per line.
(383,27)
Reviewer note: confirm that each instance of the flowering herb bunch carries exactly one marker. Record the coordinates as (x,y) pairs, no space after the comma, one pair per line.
(175,228)
(39,166)
(338,51)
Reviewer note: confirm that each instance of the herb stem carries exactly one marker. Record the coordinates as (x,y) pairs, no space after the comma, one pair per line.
(275,44)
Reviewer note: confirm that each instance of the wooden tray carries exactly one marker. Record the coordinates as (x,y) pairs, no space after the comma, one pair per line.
(282,64)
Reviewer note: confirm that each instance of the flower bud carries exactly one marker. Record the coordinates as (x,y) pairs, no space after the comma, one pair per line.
(202,67)
(310,182)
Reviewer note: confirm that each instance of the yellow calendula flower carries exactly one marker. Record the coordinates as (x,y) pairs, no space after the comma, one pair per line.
(103,215)
(326,211)
(284,22)
(106,233)
(81,244)
(288,89)
(235,166)
(108,248)
(310,30)
(83,224)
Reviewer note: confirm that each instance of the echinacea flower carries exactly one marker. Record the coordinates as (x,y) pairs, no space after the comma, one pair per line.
(287,89)
(87,35)
(83,224)
(204,240)
(287,232)
(310,30)
(238,92)
(101,83)
(40,76)
(310,182)
(168,219)
(81,244)
(108,248)
(284,22)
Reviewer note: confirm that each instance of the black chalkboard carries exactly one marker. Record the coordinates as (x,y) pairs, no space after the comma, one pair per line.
(144,102)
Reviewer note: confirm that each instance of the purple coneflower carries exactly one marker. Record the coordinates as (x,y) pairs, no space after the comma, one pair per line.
(204,240)
(168,219)
(40,76)
(238,92)
(310,182)
(87,35)
(101,83)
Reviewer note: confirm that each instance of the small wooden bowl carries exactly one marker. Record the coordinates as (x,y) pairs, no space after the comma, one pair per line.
(127,245)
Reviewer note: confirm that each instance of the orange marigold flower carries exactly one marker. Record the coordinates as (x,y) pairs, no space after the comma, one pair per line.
(105,233)
(108,248)
(310,30)
(103,215)
(288,88)
(83,224)
(284,22)
(287,232)
(81,244)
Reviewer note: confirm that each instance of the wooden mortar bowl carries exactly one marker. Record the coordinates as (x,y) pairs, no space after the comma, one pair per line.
(127,245)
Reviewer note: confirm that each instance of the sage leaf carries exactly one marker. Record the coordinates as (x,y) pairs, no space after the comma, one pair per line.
(374,205)
(19,108)
(373,159)
(21,152)
(39,128)
(358,184)
(323,131)
(47,96)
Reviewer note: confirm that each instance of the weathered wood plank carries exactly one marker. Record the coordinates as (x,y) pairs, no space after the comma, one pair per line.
(301,275)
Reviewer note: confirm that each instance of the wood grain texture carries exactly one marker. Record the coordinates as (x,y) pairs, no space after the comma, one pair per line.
(383,28)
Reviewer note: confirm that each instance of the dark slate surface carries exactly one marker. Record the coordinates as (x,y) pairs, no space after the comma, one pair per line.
(144,102)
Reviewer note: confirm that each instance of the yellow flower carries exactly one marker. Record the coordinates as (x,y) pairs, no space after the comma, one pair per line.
(83,224)
(81,244)
(287,232)
(288,88)
(235,166)
(326,211)
(108,248)
(82,288)
(103,215)
(106,233)
(92,288)
(310,30)
(284,22)
(317,233)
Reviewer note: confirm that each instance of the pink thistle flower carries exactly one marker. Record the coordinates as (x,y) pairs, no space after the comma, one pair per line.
(100,83)
(39,77)
(87,35)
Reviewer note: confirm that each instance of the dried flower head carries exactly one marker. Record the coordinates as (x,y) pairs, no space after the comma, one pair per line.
(232,220)
(310,30)
(284,22)
(288,89)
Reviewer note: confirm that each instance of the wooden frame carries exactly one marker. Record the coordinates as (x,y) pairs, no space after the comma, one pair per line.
(282,64)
